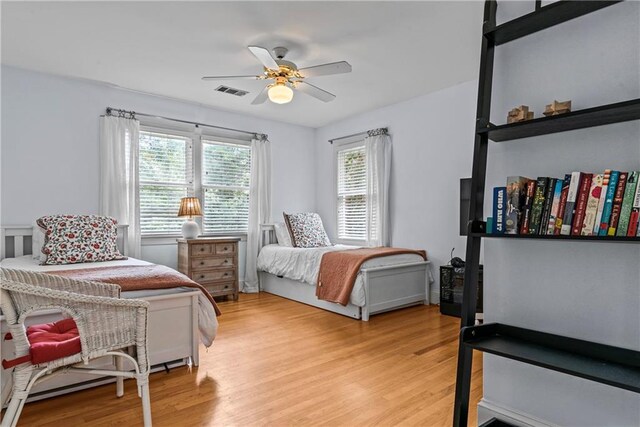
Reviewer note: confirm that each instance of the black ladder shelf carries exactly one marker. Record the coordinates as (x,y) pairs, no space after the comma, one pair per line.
(617,367)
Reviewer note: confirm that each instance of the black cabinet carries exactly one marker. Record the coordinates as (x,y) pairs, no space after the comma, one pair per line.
(451,290)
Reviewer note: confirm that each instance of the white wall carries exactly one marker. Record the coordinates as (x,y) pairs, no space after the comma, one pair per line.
(432,140)
(585,290)
(50,147)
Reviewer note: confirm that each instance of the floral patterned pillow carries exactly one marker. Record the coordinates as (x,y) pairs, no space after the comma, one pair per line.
(306,230)
(72,239)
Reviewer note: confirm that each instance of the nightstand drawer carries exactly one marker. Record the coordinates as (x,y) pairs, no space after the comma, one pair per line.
(206,263)
(225,248)
(211,276)
(221,288)
(202,249)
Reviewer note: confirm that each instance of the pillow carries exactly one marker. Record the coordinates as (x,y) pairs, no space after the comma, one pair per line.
(282,234)
(72,239)
(37,242)
(306,230)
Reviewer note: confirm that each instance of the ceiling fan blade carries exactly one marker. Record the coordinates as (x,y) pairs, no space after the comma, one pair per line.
(265,57)
(230,77)
(262,96)
(314,91)
(326,69)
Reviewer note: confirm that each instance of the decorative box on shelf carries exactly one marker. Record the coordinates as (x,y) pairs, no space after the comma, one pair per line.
(451,287)
(212,262)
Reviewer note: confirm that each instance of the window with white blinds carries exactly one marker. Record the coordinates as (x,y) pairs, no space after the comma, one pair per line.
(352,192)
(226,170)
(165,177)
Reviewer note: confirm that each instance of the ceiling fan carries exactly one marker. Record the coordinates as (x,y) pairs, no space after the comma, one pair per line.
(286,76)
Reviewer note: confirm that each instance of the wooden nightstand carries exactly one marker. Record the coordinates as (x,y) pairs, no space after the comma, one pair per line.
(212,262)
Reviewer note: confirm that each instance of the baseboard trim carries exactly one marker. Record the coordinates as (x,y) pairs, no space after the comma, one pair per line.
(488,410)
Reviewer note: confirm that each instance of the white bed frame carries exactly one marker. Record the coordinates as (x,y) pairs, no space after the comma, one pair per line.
(173,333)
(386,288)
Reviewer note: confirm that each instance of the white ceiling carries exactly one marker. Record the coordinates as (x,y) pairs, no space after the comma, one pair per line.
(398,50)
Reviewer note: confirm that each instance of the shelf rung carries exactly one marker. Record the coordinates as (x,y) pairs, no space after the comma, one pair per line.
(614,366)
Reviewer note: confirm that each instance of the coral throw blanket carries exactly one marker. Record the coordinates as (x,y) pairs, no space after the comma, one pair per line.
(137,278)
(339,270)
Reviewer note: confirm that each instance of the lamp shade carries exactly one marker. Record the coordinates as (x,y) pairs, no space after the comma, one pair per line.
(280,93)
(190,206)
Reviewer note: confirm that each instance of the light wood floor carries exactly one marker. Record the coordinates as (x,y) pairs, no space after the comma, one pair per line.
(278,362)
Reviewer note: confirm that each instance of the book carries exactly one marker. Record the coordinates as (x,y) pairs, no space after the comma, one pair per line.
(546,210)
(499,209)
(627,203)
(634,218)
(606,176)
(608,201)
(563,203)
(555,206)
(570,208)
(538,204)
(516,186)
(593,205)
(528,203)
(617,204)
(581,203)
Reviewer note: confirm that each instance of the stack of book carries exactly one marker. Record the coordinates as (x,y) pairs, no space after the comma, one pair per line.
(580,204)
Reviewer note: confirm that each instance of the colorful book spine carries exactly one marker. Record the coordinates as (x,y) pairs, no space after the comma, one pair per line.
(516,193)
(546,210)
(627,203)
(570,208)
(528,203)
(581,204)
(499,209)
(538,204)
(603,196)
(563,203)
(555,207)
(616,207)
(608,202)
(592,205)
(634,219)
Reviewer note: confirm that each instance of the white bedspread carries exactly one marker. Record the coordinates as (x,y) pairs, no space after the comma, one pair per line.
(303,265)
(207,320)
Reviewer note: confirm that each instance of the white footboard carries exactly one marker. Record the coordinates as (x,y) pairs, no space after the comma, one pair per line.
(173,339)
(392,287)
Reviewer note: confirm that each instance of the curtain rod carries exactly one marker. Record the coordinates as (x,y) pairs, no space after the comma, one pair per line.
(132,115)
(371,132)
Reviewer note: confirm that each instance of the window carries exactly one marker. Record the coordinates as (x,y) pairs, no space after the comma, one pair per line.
(180,163)
(226,170)
(165,177)
(351,192)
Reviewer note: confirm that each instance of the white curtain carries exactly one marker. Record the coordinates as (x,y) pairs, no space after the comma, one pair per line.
(378,158)
(119,176)
(259,208)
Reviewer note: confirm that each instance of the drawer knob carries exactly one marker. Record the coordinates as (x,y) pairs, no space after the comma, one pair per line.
(201,249)
(226,274)
(202,276)
(226,261)
(201,262)
(226,286)
(225,248)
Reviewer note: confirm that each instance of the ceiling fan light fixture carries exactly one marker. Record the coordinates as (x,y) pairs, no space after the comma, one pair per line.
(280,93)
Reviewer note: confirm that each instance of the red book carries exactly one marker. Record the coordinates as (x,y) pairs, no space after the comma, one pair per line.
(632,231)
(526,214)
(563,204)
(617,204)
(581,204)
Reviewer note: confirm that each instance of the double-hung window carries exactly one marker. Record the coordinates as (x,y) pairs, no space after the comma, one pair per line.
(351,192)
(165,174)
(180,163)
(226,169)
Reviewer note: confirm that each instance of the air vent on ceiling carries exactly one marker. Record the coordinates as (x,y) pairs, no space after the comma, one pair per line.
(231,91)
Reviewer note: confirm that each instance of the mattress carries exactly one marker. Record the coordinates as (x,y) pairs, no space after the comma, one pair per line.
(207,320)
(303,265)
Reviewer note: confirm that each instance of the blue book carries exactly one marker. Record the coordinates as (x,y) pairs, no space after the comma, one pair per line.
(499,210)
(608,203)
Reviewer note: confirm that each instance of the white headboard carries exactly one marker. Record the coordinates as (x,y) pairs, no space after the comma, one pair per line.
(16,240)
(268,234)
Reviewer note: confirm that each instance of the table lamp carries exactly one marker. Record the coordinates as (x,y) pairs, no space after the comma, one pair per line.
(190,207)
